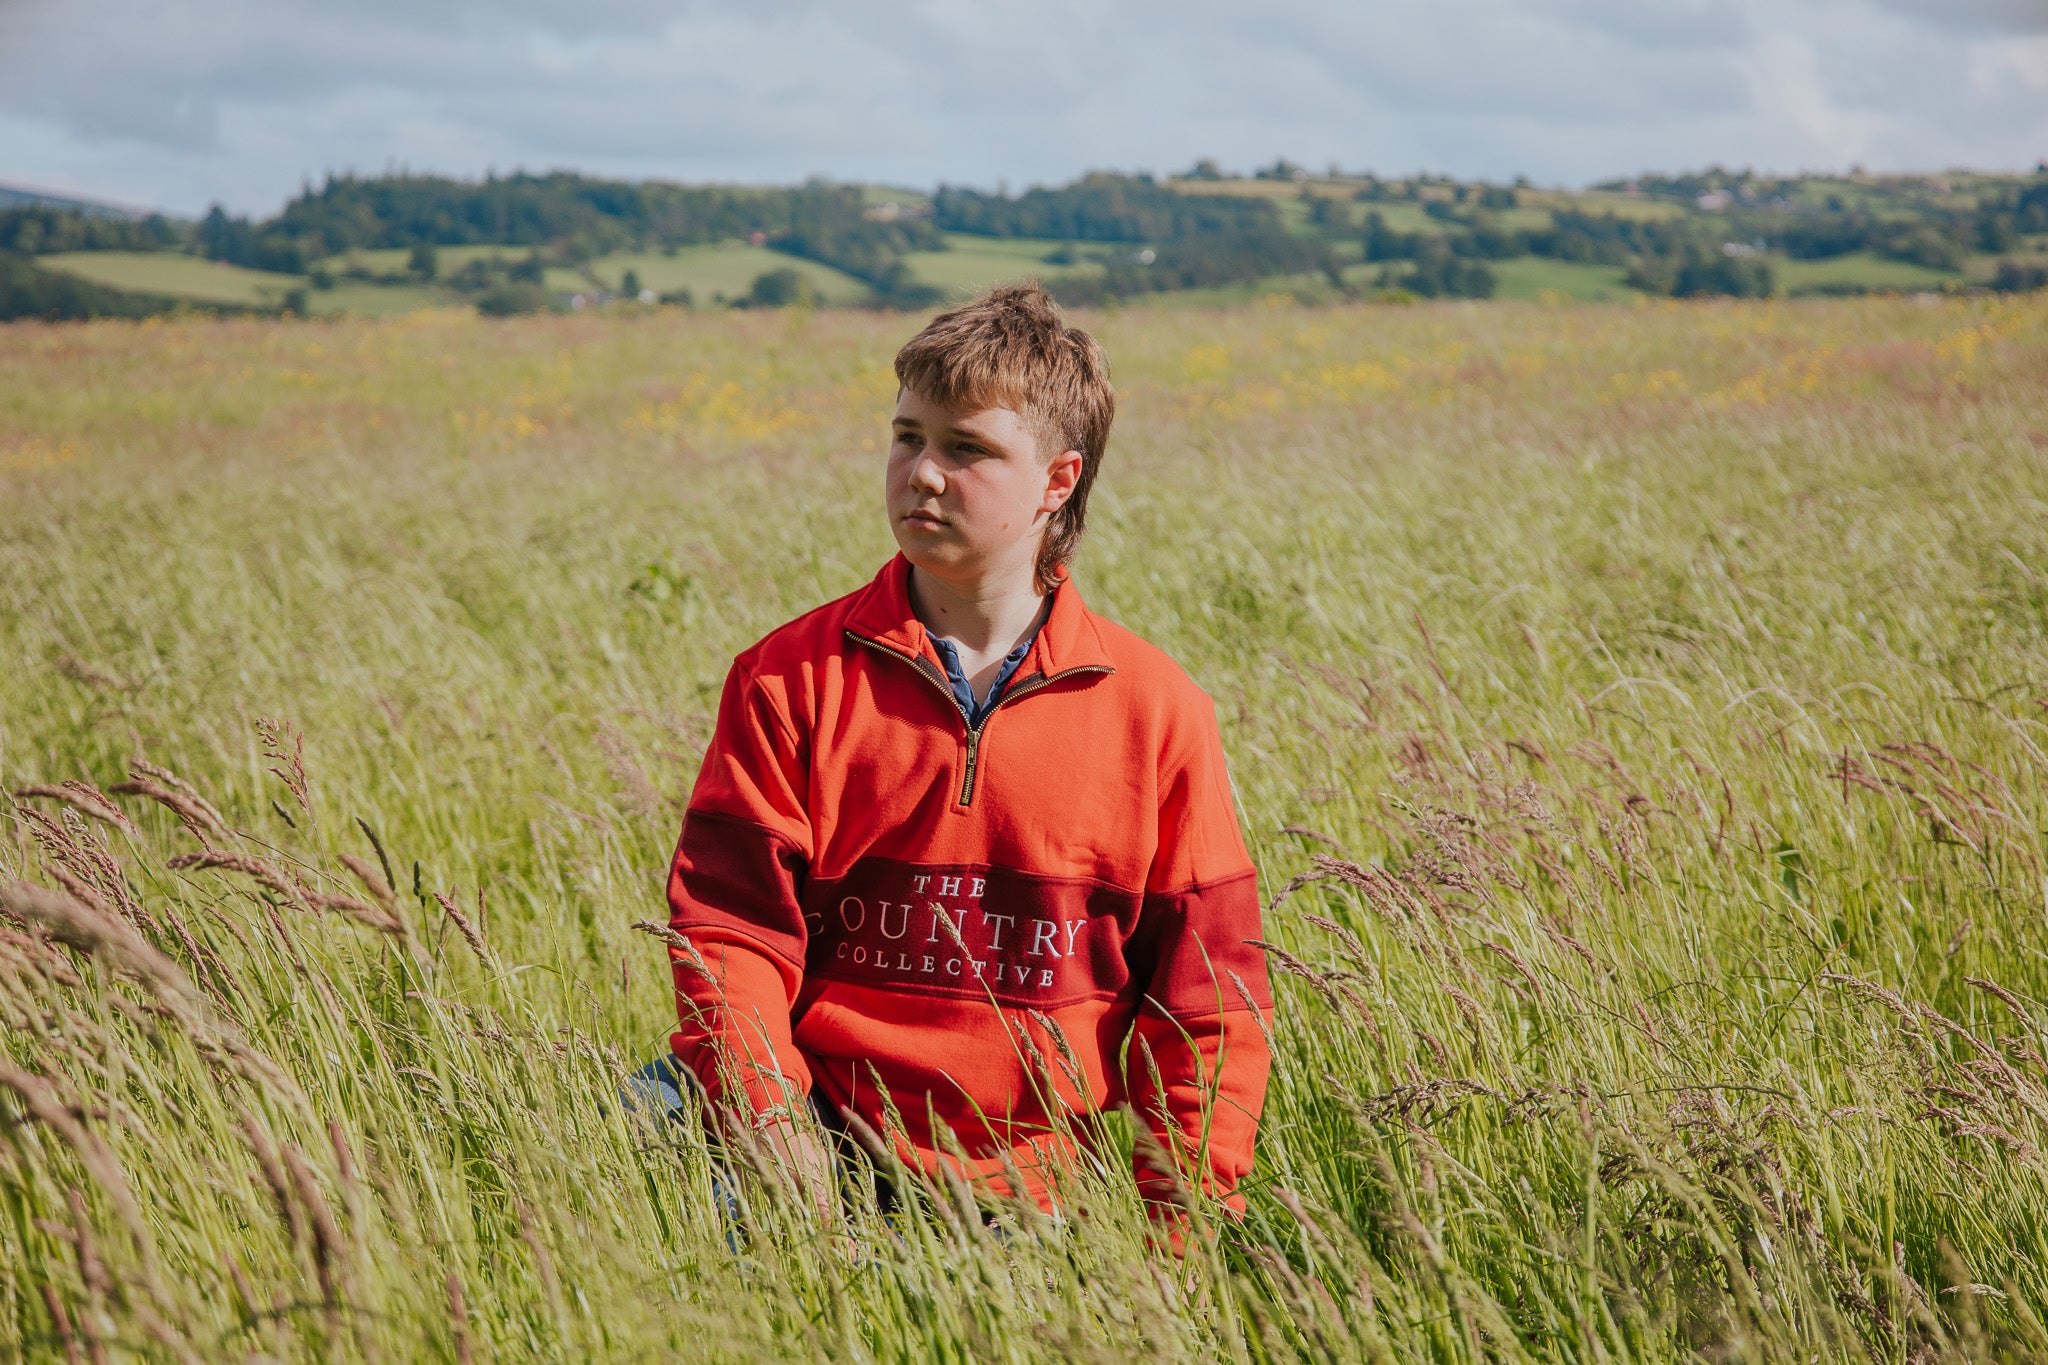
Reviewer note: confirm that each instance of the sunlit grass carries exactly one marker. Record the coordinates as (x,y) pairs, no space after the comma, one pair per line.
(1644,705)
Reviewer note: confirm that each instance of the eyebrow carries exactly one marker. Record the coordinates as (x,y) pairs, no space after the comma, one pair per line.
(972,433)
(966,433)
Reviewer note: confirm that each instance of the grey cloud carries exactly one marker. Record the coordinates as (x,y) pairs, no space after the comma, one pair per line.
(1981,16)
(195,99)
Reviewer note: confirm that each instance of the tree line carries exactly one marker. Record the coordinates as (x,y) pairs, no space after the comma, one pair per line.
(1140,234)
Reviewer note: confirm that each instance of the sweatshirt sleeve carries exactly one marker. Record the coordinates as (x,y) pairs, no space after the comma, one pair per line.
(734,892)
(1198,1056)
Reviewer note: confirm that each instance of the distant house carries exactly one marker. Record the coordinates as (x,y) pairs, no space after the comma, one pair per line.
(1713,201)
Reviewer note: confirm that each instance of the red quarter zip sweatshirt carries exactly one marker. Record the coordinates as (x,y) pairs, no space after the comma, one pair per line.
(973,928)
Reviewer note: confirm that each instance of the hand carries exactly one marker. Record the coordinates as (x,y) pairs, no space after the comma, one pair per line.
(799,1153)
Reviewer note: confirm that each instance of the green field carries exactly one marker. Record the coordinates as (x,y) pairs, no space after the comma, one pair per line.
(394,260)
(970,264)
(1635,715)
(1399,217)
(176,276)
(1860,268)
(1611,201)
(354,299)
(1536,277)
(726,268)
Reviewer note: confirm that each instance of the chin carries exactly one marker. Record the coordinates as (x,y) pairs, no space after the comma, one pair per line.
(923,554)
(948,561)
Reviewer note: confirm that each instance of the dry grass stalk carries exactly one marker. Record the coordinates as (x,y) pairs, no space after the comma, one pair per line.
(271,1165)
(285,747)
(193,810)
(60,1324)
(641,797)
(372,881)
(48,1107)
(458,1320)
(286,886)
(327,1244)
(109,939)
(471,935)
(79,671)
(382,921)
(98,935)
(83,797)
(78,856)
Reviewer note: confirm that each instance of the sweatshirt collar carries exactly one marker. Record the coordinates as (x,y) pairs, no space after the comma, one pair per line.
(1069,639)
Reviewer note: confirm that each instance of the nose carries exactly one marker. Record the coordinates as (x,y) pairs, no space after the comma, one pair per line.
(926,476)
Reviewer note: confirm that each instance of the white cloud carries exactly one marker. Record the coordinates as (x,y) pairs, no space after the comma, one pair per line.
(185,101)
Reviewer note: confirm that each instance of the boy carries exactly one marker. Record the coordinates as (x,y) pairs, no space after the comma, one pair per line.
(957,840)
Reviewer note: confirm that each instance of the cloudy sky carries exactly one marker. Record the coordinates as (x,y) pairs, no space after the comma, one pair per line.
(179,103)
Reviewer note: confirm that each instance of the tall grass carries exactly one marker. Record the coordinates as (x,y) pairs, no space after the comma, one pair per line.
(1637,717)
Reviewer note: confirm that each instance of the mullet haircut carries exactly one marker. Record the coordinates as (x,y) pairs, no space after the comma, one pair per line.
(1012,349)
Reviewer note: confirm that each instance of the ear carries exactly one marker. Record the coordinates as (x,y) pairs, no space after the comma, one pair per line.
(1060,478)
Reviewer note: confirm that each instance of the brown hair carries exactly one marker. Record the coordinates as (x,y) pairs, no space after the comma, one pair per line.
(1011,348)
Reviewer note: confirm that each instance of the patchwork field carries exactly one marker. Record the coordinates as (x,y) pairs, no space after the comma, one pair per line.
(1534,277)
(177,276)
(975,263)
(723,269)
(1637,715)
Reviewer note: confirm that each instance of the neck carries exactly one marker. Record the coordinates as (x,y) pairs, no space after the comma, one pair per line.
(981,615)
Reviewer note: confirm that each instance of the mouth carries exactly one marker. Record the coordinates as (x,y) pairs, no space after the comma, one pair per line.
(924,521)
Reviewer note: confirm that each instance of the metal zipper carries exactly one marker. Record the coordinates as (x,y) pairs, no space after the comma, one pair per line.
(931,674)
(1023,689)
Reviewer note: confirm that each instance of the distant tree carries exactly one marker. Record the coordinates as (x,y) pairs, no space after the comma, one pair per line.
(1487,241)
(1205,169)
(2016,278)
(1995,232)
(1440,273)
(237,241)
(1703,275)
(1382,243)
(1100,207)
(1331,215)
(424,261)
(511,297)
(222,238)
(29,291)
(781,288)
(1928,246)
(630,285)
(528,271)
(1208,261)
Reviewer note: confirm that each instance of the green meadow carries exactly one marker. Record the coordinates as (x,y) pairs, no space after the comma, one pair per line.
(721,269)
(176,275)
(1638,715)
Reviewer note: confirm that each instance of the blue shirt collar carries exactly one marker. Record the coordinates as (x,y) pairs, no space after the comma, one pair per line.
(956,676)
